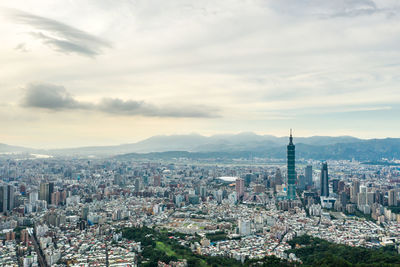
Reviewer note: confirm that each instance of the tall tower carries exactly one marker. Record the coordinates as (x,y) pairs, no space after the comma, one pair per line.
(324,180)
(291,173)
(3,198)
(239,186)
(309,174)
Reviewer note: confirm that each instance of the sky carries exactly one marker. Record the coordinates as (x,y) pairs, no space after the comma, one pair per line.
(102,72)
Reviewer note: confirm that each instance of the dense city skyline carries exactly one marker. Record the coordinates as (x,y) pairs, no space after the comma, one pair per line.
(77,73)
(183,133)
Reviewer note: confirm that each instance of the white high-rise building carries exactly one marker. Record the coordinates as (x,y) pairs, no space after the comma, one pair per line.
(244,227)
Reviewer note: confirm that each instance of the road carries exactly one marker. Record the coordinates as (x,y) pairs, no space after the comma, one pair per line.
(42,261)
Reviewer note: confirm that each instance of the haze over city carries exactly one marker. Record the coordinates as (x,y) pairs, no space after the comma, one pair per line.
(98,72)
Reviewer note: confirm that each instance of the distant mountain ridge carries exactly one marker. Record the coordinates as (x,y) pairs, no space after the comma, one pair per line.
(235,145)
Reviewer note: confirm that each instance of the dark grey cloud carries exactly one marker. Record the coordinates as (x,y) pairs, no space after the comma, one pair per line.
(51,97)
(59,36)
(131,107)
(56,98)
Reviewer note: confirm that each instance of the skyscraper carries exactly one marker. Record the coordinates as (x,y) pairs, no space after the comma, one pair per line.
(50,192)
(6,197)
(324,180)
(308,174)
(239,186)
(3,198)
(291,173)
(355,189)
(44,191)
(10,197)
(392,197)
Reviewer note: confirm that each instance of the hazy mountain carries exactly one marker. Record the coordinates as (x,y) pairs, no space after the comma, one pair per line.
(4,148)
(239,145)
(362,150)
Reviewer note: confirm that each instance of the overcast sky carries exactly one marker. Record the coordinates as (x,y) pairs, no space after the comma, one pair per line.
(99,72)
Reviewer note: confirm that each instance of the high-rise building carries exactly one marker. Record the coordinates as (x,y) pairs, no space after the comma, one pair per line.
(51,191)
(244,227)
(10,197)
(355,189)
(203,191)
(324,180)
(3,198)
(6,197)
(308,175)
(33,196)
(55,198)
(291,173)
(44,191)
(392,197)
(239,186)
(361,199)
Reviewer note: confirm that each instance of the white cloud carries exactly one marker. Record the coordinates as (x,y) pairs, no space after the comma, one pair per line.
(253,60)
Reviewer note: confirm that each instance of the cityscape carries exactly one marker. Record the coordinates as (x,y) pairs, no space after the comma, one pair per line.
(78,211)
(183,133)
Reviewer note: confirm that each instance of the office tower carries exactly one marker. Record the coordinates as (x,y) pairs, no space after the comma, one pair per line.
(291,173)
(324,180)
(355,189)
(10,197)
(6,197)
(44,191)
(392,197)
(50,192)
(308,174)
(239,187)
(3,198)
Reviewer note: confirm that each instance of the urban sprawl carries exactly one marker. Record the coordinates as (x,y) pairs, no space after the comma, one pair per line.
(59,211)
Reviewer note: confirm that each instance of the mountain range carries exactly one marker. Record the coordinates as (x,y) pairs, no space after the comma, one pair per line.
(237,145)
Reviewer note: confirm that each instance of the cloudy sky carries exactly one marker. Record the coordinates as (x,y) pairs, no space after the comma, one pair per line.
(99,72)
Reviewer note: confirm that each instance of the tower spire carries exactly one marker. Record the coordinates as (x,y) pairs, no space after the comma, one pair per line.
(291,137)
